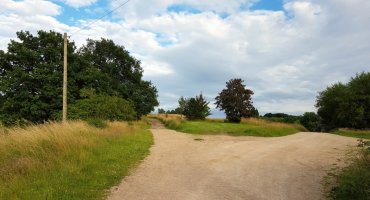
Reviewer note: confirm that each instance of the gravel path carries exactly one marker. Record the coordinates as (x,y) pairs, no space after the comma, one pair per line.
(185,166)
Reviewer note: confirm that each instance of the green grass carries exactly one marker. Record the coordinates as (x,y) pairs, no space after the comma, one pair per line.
(70,161)
(365,134)
(353,182)
(248,128)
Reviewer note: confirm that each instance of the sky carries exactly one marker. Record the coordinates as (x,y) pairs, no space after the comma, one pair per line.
(286,51)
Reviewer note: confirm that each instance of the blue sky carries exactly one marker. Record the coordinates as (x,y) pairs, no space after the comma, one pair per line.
(286,51)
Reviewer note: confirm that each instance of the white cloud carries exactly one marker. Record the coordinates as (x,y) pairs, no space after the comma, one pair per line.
(286,56)
(150,8)
(153,68)
(29,7)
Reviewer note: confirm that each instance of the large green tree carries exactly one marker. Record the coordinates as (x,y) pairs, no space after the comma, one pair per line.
(112,70)
(236,101)
(346,105)
(31,76)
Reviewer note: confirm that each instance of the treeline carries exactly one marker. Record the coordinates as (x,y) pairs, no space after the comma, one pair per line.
(31,73)
(282,117)
(346,105)
(342,106)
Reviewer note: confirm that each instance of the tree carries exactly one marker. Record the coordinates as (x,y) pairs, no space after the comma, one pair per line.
(182,104)
(197,108)
(235,100)
(311,121)
(161,111)
(31,72)
(31,77)
(112,71)
(346,105)
(254,112)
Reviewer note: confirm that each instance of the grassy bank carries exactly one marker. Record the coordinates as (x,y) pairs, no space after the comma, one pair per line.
(353,182)
(248,127)
(365,134)
(69,161)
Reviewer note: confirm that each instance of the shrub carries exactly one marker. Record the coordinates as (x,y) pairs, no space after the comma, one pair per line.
(103,108)
(311,121)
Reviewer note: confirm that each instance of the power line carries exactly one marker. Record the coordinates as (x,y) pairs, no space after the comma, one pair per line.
(106,14)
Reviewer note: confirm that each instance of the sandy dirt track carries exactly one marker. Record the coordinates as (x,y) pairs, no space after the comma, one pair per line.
(224,167)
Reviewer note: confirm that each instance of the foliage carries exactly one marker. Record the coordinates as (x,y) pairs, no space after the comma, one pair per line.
(311,121)
(255,113)
(69,161)
(197,108)
(182,105)
(353,182)
(282,117)
(176,111)
(111,70)
(103,108)
(31,76)
(235,100)
(346,105)
(161,111)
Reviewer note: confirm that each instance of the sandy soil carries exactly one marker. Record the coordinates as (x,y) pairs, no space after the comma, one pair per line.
(185,166)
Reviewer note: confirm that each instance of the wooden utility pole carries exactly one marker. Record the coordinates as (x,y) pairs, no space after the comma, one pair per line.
(65,79)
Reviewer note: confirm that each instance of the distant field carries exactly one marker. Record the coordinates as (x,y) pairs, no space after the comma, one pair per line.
(248,127)
(69,161)
(353,133)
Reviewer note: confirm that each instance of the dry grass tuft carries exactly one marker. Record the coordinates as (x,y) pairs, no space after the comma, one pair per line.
(263,122)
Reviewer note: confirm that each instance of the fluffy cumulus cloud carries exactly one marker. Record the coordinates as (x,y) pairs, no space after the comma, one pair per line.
(284,55)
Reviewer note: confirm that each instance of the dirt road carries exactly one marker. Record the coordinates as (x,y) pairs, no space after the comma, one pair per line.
(184,166)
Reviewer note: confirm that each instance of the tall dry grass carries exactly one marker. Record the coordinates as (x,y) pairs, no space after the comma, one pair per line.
(265,123)
(28,154)
(167,117)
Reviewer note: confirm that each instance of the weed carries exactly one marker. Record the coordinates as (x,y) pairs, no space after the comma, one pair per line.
(353,182)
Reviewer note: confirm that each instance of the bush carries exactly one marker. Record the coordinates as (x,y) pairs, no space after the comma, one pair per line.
(103,108)
(311,121)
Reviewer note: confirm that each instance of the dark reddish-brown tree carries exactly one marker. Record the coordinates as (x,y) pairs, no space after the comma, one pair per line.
(235,100)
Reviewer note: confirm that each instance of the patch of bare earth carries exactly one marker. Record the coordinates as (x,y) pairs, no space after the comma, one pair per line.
(185,166)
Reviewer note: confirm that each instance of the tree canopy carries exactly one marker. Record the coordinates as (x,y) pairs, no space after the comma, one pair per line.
(31,76)
(195,108)
(236,101)
(346,105)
